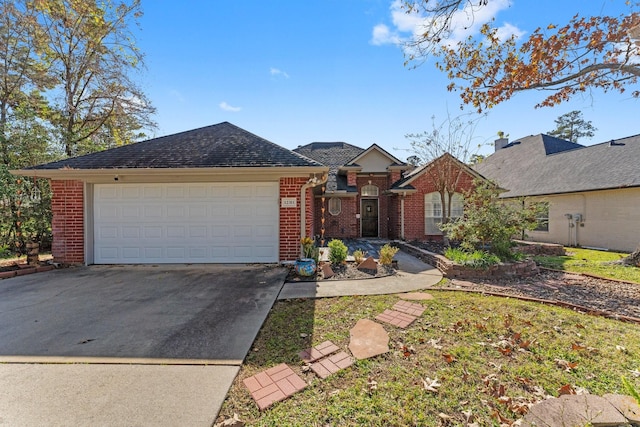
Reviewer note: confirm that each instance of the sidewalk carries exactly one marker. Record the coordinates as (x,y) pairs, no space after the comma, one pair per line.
(412,275)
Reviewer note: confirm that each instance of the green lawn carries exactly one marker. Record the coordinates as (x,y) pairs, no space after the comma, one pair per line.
(591,261)
(489,357)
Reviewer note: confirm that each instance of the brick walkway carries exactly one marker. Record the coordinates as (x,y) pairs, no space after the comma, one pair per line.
(280,382)
(274,385)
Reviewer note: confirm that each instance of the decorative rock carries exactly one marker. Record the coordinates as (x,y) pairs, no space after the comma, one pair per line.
(368,265)
(416,296)
(626,405)
(368,339)
(574,410)
(327,271)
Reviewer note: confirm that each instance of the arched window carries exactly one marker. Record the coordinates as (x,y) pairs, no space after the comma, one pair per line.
(335,206)
(433,211)
(369,191)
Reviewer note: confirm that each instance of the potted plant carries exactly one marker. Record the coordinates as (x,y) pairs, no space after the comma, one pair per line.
(307,265)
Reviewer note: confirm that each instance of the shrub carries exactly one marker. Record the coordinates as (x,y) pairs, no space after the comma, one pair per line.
(387,252)
(359,255)
(489,223)
(337,251)
(475,259)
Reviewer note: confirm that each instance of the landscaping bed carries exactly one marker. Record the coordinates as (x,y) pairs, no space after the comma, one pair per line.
(348,271)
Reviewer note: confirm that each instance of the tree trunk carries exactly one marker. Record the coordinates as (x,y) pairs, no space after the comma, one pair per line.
(633,258)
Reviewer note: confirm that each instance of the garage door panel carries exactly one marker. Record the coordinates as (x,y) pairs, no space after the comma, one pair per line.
(203,222)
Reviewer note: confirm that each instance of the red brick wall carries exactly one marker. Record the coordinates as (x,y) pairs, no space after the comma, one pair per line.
(290,217)
(67,205)
(340,226)
(351,178)
(414,205)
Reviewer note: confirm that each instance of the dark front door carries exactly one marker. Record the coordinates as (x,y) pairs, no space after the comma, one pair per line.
(369,218)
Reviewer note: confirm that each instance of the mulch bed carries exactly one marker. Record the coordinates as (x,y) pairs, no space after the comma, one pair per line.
(621,298)
(346,271)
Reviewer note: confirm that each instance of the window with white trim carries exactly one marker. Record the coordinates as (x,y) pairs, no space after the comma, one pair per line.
(369,191)
(542,217)
(335,206)
(433,211)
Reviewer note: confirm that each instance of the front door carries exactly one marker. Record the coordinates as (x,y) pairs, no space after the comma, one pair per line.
(369,217)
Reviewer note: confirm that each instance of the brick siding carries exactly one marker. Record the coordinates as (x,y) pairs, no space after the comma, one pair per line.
(67,205)
(290,217)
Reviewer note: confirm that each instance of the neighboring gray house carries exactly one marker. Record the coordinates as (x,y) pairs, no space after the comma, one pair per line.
(593,193)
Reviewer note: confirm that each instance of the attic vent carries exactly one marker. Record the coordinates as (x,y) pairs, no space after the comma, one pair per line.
(613,143)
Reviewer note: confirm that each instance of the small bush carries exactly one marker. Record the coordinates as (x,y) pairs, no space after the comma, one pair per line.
(359,255)
(5,252)
(387,252)
(337,251)
(475,259)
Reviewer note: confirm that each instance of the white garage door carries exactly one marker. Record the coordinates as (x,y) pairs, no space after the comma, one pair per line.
(185,223)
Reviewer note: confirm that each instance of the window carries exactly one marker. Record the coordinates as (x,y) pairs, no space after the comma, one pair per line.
(543,217)
(369,191)
(335,206)
(433,211)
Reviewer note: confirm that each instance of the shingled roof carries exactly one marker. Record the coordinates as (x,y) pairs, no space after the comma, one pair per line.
(540,165)
(334,155)
(223,145)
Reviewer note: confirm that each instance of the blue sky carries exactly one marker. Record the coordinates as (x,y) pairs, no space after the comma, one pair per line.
(295,72)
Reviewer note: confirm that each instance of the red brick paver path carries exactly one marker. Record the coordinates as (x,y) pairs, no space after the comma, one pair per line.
(396,318)
(274,385)
(318,352)
(409,308)
(331,365)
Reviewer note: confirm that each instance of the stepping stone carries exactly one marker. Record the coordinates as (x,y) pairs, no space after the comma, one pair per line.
(574,410)
(396,318)
(416,296)
(332,364)
(627,406)
(369,265)
(318,352)
(409,308)
(327,271)
(274,385)
(368,339)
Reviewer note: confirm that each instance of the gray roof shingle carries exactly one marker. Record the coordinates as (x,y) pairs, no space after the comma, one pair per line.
(223,145)
(334,155)
(540,165)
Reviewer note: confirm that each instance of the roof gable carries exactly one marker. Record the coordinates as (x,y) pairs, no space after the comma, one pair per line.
(334,155)
(374,159)
(223,145)
(405,183)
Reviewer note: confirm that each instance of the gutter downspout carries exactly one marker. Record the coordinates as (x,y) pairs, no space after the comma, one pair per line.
(402,215)
(313,182)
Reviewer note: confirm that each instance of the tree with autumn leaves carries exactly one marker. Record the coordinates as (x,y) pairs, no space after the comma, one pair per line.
(561,59)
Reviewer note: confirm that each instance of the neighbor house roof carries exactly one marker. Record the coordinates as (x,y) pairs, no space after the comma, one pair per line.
(333,155)
(543,165)
(223,145)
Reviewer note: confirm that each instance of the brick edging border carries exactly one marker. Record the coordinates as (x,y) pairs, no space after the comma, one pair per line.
(452,270)
(25,271)
(594,276)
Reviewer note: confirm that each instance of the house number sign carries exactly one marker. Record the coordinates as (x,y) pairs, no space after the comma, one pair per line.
(288,202)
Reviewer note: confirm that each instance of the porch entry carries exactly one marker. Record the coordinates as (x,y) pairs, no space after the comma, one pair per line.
(369,217)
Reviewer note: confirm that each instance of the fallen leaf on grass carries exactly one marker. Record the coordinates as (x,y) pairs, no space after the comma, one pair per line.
(445,416)
(577,347)
(372,385)
(567,366)
(566,389)
(635,372)
(230,422)
(431,385)
(449,358)
(435,343)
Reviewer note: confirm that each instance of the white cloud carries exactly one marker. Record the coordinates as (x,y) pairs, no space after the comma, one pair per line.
(226,107)
(464,22)
(382,35)
(278,73)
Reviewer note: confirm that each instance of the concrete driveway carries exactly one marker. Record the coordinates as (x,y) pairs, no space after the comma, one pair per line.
(158,345)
